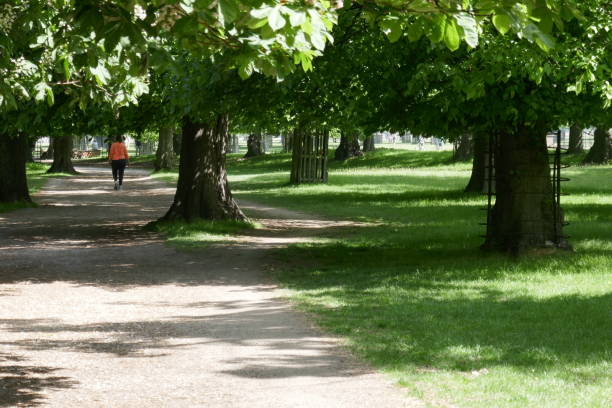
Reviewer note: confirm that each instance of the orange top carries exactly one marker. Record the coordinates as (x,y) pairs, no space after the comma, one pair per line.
(118,151)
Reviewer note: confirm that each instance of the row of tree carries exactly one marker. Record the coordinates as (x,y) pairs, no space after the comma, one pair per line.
(434,68)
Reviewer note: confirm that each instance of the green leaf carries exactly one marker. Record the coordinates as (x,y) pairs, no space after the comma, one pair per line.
(50,96)
(470,28)
(275,20)
(438,30)
(318,40)
(502,22)
(101,74)
(297,18)
(228,11)
(66,66)
(451,36)
(261,13)
(392,29)
(246,70)
(415,31)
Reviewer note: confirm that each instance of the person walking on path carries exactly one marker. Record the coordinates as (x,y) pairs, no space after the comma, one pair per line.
(118,158)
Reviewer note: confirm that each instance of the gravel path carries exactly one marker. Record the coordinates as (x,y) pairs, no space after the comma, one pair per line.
(96,312)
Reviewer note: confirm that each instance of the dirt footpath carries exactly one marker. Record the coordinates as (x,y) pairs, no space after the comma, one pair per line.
(96,312)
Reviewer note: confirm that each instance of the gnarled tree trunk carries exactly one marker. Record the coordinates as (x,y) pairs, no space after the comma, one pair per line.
(478,181)
(62,156)
(165,157)
(203,190)
(349,147)
(575,140)
(254,145)
(523,217)
(464,148)
(368,144)
(601,151)
(13,181)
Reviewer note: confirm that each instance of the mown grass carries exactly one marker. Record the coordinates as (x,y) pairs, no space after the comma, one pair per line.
(199,233)
(412,294)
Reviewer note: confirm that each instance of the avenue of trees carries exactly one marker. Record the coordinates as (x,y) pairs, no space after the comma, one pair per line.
(470,70)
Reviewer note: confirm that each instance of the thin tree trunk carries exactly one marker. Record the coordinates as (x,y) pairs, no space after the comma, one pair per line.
(368,144)
(48,154)
(478,180)
(165,157)
(348,147)
(254,145)
(523,217)
(202,190)
(464,148)
(13,181)
(575,140)
(601,151)
(234,143)
(62,156)
(287,142)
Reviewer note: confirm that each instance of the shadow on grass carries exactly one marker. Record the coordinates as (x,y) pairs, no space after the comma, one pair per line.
(25,385)
(409,308)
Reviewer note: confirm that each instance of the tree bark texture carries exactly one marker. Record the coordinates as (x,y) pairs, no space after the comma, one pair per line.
(203,191)
(575,140)
(254,145)
(524,215)
(348,147)
(13,181)
(601,151)
(480,165)
(164,156)
(464,148)
(368,144)
(309,159)
(62,156)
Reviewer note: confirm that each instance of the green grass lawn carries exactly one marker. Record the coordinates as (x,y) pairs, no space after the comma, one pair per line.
(412,294)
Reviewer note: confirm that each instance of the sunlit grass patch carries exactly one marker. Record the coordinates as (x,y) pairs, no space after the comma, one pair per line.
(200,232)
(410,292)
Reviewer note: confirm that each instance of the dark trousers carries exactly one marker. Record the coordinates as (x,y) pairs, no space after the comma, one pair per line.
(118,169)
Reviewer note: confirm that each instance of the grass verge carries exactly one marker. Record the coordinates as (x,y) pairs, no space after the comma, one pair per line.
(412,294)
(199,233)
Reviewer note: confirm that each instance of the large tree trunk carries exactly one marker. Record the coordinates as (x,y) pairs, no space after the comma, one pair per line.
(601,151)
(575,140)
(254,145)
(177,139)
(203,190)
(464,148)
(165,157)
(13,181)
(523,217)
(368,144)
(349,147)
(62,156)
(478,181)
